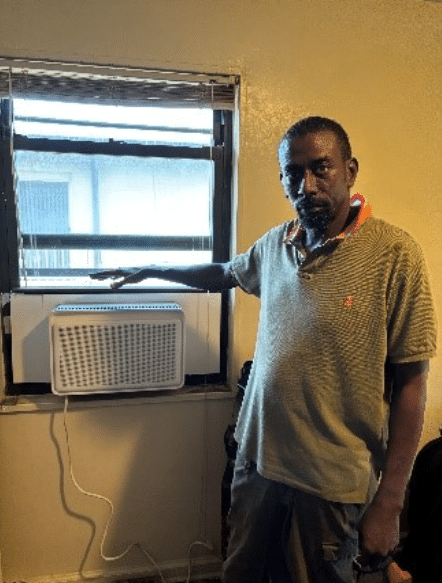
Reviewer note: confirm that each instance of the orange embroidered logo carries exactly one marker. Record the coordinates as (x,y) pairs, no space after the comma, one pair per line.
(348,302)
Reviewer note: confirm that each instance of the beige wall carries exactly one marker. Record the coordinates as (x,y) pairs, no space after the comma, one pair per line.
(159,462)
(374,65)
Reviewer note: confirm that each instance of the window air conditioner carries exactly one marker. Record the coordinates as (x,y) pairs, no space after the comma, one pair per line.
(107,348)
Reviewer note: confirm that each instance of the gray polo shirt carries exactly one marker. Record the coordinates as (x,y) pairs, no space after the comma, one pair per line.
(315,412)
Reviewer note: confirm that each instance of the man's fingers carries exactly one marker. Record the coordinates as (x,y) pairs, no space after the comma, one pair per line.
(117,284)
(108,274)
(98,276)
(121,275)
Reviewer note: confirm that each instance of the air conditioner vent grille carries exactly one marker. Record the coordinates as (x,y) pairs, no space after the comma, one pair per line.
(114,307)
(102,352)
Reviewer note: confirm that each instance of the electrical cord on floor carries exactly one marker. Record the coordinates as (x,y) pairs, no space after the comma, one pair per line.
(109,502)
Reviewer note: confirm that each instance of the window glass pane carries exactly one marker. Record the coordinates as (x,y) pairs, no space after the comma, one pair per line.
(43,209)
(142,125)
(44,206)
(114,198)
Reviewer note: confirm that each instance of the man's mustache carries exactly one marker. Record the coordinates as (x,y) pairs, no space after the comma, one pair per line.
(308,206)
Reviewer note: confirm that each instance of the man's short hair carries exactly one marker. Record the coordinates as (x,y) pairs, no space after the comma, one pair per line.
(312,125)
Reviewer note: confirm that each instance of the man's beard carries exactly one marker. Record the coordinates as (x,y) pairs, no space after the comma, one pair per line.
(317,220)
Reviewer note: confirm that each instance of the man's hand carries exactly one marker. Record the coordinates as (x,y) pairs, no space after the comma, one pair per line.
(379,530)
(126,275)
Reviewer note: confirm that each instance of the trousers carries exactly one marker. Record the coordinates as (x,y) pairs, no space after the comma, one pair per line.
(283,535)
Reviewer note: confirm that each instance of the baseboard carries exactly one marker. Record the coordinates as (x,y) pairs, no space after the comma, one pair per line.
(207,567)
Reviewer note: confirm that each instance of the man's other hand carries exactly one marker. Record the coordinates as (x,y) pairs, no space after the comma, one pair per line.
(379,530)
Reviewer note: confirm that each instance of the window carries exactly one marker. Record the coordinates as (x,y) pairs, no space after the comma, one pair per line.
(112,172)
(107,168)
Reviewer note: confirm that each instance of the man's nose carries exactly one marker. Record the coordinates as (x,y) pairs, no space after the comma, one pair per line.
(308,183)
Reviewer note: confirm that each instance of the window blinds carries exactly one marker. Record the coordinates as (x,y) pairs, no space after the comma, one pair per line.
(99,84)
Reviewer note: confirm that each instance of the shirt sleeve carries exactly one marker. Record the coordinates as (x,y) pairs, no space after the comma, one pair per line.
(247,268)
(411,325)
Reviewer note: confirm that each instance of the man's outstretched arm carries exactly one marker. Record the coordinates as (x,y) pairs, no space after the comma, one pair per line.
(212,277)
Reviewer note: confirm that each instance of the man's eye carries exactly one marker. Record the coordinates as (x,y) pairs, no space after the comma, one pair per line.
(292,175)
(321,169)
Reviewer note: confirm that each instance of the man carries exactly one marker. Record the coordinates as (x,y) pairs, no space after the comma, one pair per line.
(333,410)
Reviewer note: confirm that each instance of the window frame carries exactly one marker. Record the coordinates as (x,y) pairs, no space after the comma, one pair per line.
(220,153)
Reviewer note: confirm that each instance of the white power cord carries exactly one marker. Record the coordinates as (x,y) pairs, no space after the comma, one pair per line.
(109,502)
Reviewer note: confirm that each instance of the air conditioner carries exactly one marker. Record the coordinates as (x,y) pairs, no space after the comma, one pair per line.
(106,348)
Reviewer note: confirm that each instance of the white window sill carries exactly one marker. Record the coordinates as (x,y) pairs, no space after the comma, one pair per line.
(51,402)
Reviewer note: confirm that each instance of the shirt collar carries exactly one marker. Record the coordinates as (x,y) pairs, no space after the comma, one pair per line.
(295,235)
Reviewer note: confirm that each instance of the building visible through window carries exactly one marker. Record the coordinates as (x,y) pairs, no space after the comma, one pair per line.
(43,209)
(71,200)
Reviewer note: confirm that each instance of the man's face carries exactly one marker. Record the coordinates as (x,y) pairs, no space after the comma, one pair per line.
(316,179)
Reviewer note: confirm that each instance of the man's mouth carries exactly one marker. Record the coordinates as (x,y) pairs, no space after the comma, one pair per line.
(307,209)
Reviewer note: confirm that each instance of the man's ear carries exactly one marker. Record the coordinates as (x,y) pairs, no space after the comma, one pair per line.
(352,170)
